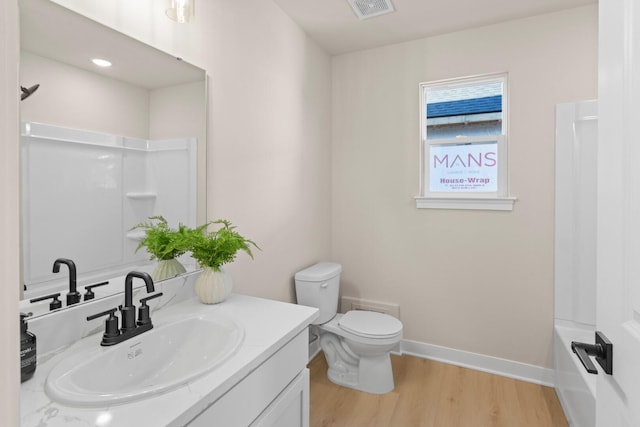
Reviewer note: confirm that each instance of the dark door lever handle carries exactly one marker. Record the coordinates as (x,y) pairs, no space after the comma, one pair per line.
(602,350)
(583,351)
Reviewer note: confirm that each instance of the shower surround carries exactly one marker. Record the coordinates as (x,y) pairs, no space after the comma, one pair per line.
(83,191)
(575,255)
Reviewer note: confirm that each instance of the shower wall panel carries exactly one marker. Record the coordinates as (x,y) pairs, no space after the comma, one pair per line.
(83,191)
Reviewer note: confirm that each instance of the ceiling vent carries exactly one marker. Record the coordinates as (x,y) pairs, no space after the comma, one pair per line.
(370,8)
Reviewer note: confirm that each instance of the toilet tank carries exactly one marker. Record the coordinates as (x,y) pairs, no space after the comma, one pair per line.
(318,286)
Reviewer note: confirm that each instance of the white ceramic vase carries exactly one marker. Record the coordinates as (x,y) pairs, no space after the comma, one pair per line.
(166,269)
(213,286)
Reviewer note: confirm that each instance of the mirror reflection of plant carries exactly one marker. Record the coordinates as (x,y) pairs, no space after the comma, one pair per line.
(161,241)
(216,248)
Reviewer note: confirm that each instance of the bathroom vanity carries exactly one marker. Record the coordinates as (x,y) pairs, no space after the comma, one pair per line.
(261,381)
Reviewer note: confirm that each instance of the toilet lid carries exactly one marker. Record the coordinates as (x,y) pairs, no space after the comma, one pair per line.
(370,323)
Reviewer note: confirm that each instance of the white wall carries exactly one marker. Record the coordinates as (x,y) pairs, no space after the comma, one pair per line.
(174,112)
(477,281)
(269,166)
(9,214)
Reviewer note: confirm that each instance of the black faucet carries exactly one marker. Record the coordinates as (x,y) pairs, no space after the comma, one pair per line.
(129,328)
(73,297)
(129,310)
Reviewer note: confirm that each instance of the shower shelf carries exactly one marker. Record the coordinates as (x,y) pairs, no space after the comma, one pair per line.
(136,235)
(141,195)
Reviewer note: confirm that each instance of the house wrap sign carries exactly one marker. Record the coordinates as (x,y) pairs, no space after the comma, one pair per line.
(464,168)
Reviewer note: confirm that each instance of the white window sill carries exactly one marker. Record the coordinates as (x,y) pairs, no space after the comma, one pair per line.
(478,203)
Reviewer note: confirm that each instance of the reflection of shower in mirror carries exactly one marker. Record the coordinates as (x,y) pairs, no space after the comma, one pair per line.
(27,92)
(83,191)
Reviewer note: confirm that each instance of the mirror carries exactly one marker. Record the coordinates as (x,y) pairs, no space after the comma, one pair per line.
(145,98)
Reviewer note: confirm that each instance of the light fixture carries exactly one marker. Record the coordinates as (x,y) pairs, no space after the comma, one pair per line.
(180,10)
(101,62)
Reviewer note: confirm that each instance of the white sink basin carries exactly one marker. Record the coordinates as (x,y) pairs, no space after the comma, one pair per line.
(157,361)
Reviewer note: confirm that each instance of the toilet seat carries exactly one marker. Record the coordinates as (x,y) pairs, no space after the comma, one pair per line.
(369,324)
(335,327)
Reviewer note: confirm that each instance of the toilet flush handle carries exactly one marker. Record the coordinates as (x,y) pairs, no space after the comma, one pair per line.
(324,285)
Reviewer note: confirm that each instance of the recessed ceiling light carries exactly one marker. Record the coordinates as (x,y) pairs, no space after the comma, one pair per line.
(101,62)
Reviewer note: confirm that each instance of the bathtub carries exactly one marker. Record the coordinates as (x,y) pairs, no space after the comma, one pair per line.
(576,389)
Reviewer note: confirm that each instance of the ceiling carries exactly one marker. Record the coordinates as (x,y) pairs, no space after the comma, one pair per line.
(335,26)
(331,23)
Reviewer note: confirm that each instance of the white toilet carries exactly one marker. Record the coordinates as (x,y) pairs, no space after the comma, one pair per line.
(356,344)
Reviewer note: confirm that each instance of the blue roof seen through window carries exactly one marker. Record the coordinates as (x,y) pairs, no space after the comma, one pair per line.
(487,104)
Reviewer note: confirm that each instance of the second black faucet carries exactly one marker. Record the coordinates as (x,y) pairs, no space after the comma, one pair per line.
(73,296)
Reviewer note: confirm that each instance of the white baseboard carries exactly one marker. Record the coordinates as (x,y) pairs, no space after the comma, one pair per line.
(480,362)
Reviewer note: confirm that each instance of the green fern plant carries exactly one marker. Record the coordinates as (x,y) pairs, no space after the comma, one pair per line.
(216,248)
(162,242)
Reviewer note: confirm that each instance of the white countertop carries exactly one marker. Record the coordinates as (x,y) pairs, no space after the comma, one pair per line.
(268,326)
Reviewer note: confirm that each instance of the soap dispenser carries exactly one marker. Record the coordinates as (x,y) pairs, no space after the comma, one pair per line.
(27,350)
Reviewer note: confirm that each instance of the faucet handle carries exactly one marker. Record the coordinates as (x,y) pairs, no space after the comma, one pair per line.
(111,330)
(145,299)
(89,294)
(55,304)
(103,313)
(143,311)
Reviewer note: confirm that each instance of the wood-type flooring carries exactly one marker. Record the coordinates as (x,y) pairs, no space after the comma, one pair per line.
(434,394)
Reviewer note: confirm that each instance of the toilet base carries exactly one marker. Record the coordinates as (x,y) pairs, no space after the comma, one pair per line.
(371,374)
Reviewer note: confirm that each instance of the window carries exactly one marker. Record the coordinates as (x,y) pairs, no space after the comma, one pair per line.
(463,144)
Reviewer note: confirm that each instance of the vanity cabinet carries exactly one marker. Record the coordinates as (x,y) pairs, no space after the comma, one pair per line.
(275,394)
(265,382)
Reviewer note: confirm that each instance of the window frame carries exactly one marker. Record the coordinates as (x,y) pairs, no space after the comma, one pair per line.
(498,200)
